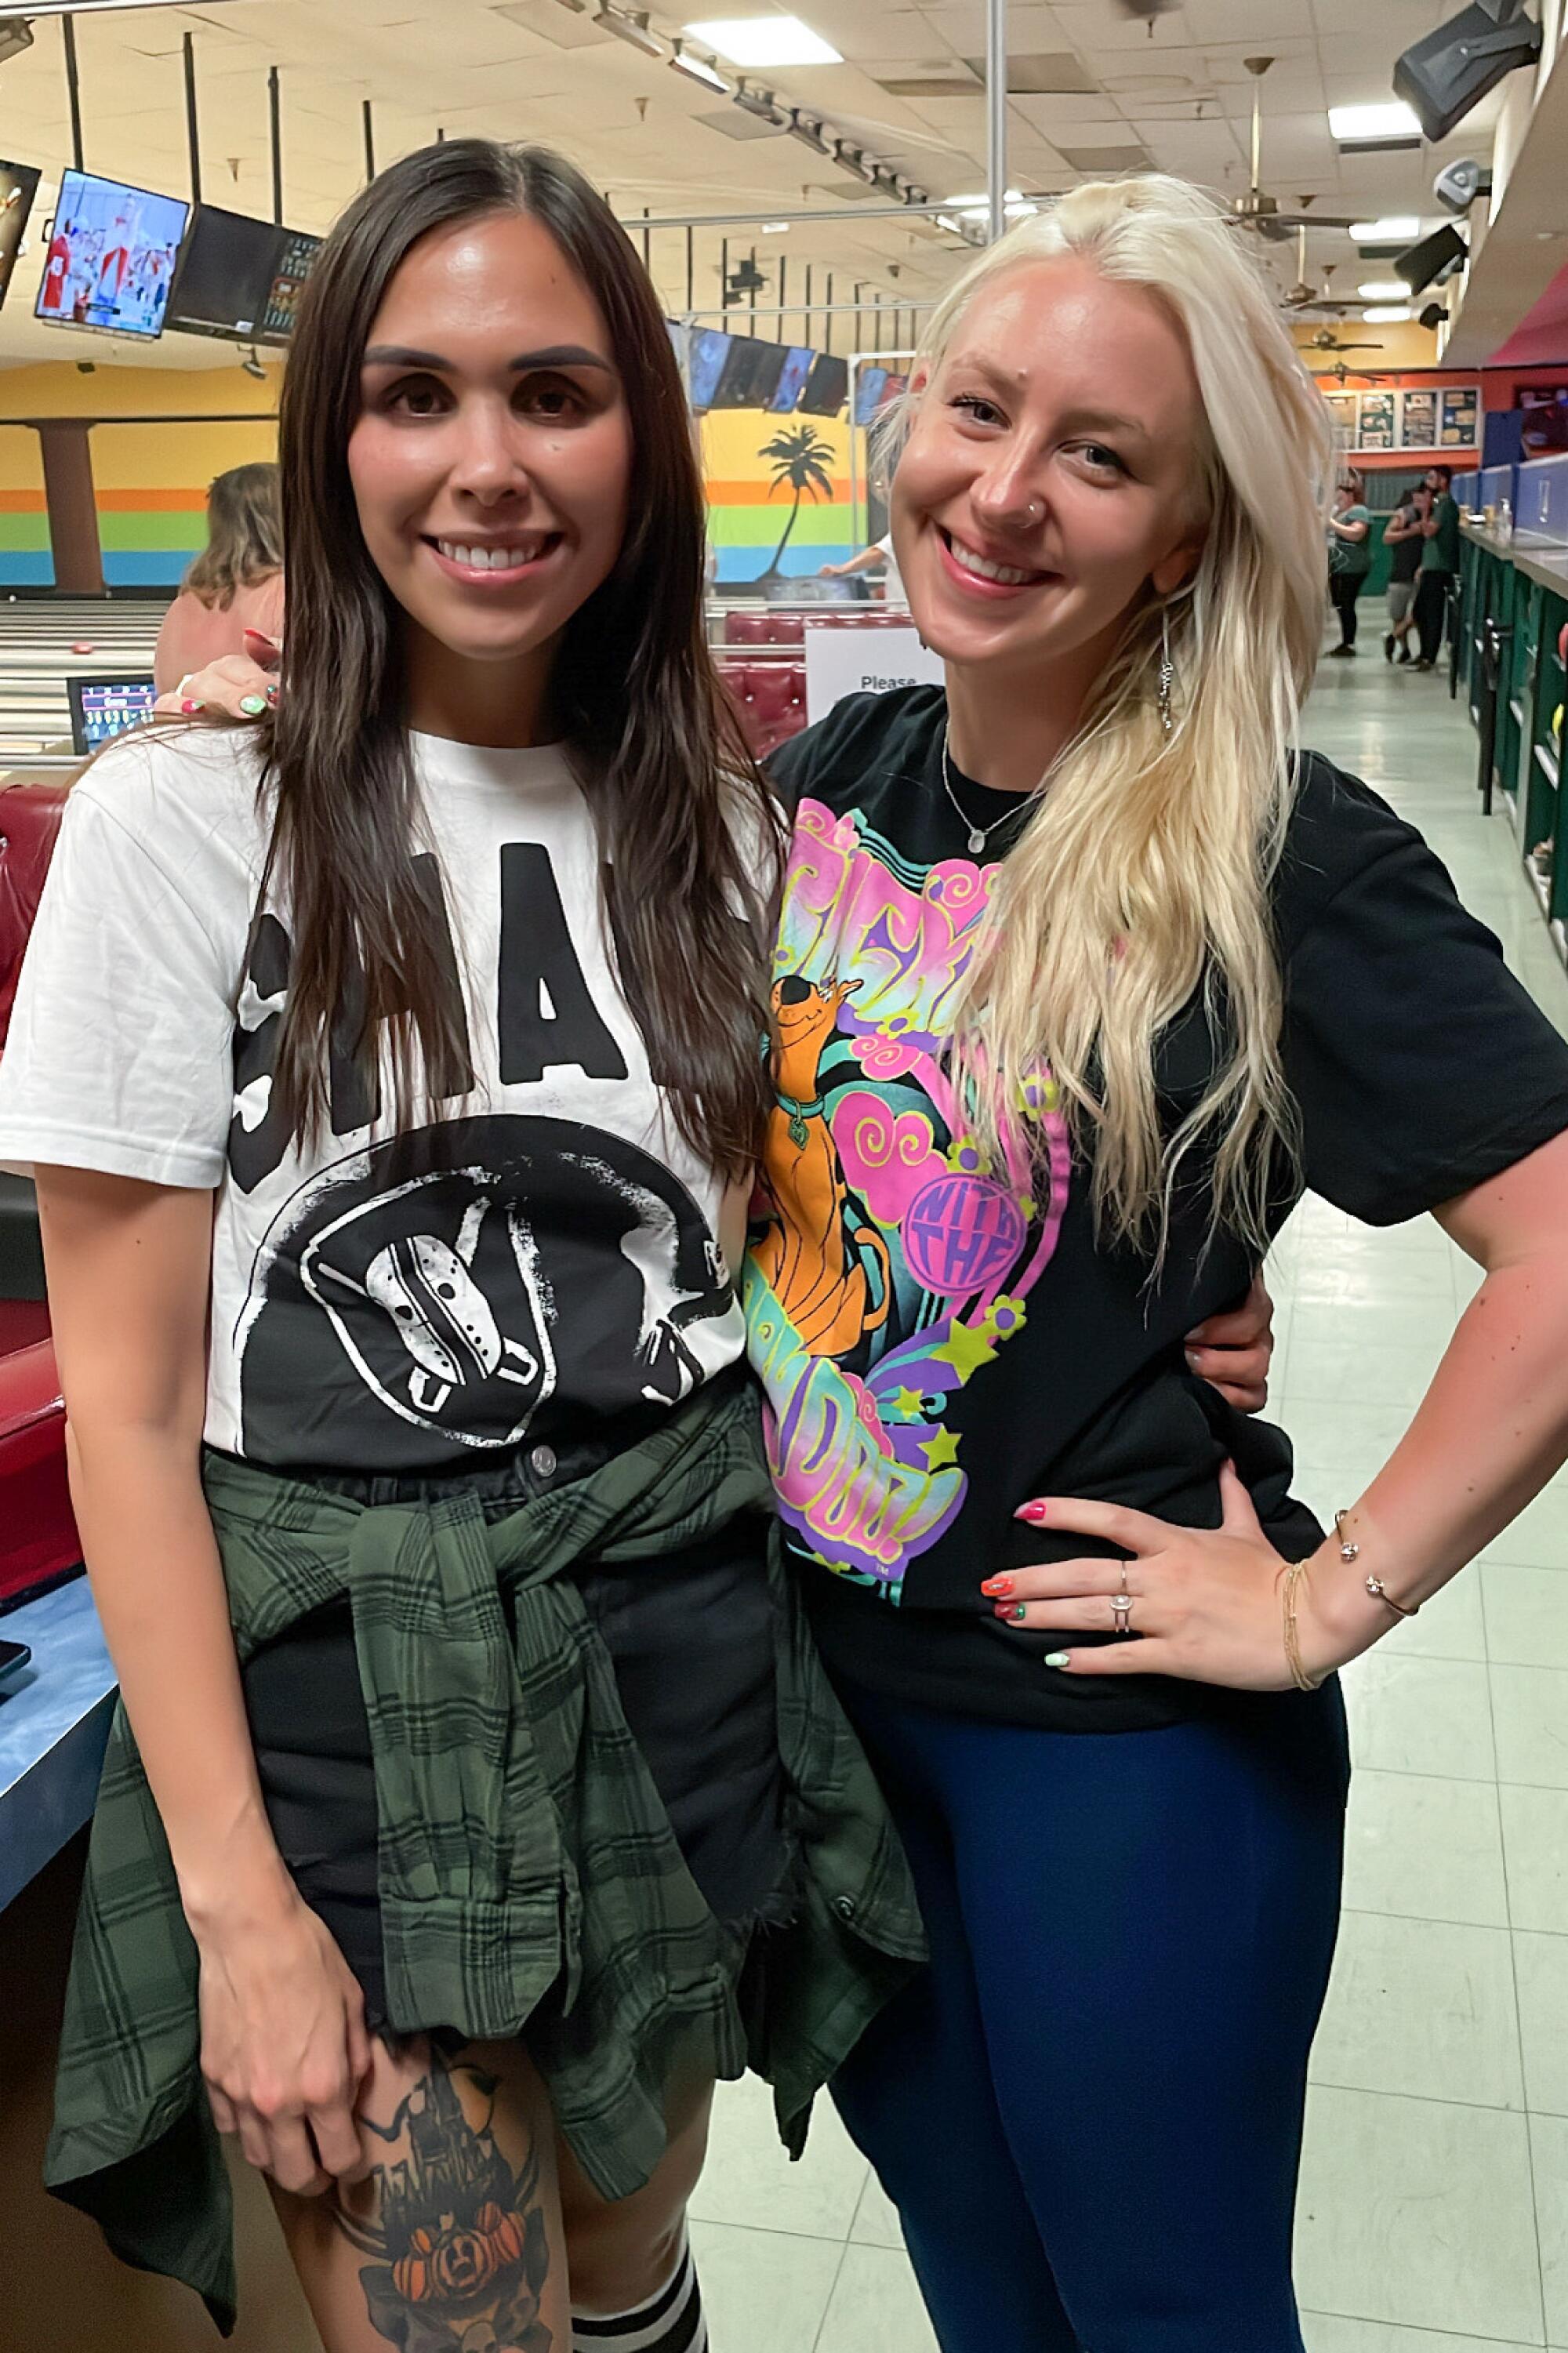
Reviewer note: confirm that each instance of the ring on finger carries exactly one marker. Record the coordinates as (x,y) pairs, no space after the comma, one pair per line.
(1122,1609)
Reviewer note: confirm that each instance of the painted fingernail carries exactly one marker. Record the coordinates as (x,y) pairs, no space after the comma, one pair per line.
(1192,1354)
(1055,1659)
(189,705)
(253,705)
(1035,1512)
(998,1584)
(1016,1610)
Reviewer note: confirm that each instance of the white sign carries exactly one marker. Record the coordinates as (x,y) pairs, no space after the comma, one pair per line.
(840,661)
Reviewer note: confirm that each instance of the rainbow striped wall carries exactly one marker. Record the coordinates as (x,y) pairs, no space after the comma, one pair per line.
(150,478)
(747,515)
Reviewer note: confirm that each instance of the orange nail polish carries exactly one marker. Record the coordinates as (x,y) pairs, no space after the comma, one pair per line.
(998,1584)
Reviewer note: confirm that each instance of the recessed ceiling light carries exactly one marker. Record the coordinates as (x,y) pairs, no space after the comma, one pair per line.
(776,229)
(766,41)
(1384,232)
(1383,290)
(1393,120)
(1394,316)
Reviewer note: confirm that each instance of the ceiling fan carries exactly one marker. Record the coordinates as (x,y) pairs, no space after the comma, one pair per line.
(1304,296)
(1257,209)
(1325,340)
(1339,372)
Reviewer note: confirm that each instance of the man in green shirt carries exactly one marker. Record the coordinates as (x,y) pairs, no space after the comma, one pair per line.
(1439,563)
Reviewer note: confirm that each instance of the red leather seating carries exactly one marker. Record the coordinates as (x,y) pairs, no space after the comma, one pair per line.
(764,628)
(40,1540)
(29,820)
(770,699)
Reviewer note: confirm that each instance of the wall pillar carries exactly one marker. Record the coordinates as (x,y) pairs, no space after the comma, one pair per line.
(73,508)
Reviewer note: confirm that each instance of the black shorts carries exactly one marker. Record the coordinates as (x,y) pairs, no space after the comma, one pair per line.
(691,1638)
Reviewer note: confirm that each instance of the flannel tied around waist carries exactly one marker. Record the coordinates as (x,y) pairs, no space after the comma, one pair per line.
(528,1876)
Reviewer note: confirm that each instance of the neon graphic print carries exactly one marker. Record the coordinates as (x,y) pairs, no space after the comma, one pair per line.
(890,1261)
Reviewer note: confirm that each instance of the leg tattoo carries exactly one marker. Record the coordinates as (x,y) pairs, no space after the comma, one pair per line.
(459,2235)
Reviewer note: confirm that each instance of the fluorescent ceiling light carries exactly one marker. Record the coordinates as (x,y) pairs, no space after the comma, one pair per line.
(1394,315)
(766,41)
(630,25)
(1384,232)
(697,68)
(982,202)
(776,229)
(1384,290)
(1392,120)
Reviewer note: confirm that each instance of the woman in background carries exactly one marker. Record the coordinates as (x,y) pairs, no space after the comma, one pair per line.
(1350,560)
(233,585)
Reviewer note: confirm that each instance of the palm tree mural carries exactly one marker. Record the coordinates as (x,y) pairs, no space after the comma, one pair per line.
(800,463)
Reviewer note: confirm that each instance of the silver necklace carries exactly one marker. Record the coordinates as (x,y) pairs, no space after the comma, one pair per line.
(978,834)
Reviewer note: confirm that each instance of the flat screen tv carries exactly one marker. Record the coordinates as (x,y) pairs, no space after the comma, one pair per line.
(296,259)
(792,378)
(709,349)
(869,387)
(102,707)
(827,387)
(749,373)
(112,256)
(225,274)
(18,186)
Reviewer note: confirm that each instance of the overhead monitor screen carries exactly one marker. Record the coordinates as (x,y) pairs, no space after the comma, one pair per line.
(827,387)
(225,274)
(18,186)
(296,259)
(768,376)
(792,378)
(749,373)
(102,707)
(112,256)
(869,387)
(709,349)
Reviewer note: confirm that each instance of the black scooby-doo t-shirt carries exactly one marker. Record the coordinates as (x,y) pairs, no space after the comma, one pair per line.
(937,1336)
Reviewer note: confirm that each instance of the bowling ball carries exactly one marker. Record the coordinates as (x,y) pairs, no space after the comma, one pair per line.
(83,645)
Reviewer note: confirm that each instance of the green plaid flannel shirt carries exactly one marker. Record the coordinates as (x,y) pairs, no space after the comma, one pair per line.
(527,1870)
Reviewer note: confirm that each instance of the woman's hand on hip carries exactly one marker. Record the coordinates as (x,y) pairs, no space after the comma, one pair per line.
(1232,1351)
(239,686)
(285,2049)
(1204,1603)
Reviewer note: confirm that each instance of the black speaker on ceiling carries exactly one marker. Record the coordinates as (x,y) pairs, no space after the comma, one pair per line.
(1436,257)
(1447,72)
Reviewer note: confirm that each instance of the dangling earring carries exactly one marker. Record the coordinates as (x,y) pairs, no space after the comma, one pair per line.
(1167,672)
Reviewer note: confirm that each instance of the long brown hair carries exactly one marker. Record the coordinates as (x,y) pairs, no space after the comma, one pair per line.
(245,535)
(687,830)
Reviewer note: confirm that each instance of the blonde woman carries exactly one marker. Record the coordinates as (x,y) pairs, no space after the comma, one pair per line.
(1083,975)
(234,588)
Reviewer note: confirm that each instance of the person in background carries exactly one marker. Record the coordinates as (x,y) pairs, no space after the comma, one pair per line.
(233,585)
(1439,563)
(878,557)
(1401,536)
(1350,559)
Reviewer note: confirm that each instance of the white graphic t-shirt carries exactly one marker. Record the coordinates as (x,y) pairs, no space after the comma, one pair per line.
(541,1252)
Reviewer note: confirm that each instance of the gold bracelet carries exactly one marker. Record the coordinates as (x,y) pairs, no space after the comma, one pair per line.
(1350,1550)
(1299,1675)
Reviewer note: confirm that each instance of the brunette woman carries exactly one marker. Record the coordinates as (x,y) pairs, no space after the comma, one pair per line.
(233,585)
(390,1074)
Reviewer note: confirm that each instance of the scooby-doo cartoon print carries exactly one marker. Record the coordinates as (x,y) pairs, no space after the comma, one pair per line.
(890,1259)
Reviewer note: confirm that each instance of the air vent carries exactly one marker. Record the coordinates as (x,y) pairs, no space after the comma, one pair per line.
(934,85)
(736,123)
(1099,162)
(1042,73)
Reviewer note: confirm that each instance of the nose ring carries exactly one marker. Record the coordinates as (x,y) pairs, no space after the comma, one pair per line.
(1034,509)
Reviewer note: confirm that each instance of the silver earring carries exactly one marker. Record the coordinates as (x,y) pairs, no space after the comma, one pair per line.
(1167,673)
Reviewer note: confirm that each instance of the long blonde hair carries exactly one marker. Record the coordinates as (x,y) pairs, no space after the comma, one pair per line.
(1145,870)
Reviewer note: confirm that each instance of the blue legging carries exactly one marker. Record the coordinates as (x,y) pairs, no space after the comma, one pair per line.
(1089,2111)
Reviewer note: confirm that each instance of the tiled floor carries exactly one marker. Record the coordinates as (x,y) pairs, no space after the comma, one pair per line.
(1433,2210)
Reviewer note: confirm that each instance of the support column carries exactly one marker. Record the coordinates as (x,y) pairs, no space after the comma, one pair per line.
(73,508)
(997,114)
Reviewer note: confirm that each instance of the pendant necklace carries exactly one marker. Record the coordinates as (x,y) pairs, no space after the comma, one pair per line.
(979,835)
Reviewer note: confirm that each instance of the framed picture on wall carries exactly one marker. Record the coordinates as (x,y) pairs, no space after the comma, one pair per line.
(1417,420)
(1461,405)
(1342,409)
(1544,431)
(1375,417)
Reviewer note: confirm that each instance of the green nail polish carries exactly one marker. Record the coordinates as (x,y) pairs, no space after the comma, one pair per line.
(253,705)
(1056,1658)
(1020,1611)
